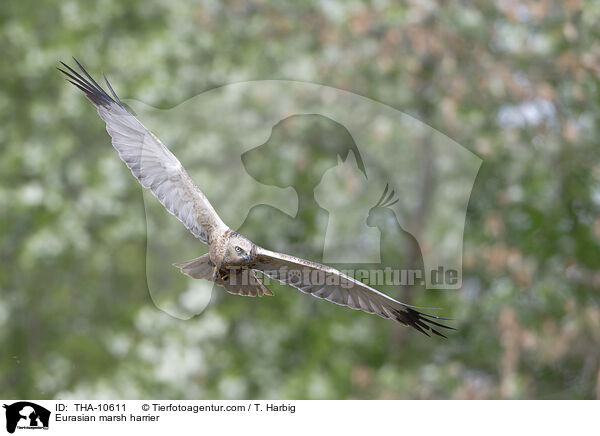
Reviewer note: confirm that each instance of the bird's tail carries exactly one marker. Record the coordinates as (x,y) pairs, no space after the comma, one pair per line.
(235,281)
(199,268)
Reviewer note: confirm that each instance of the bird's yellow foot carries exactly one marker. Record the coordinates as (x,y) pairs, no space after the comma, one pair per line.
(217,273)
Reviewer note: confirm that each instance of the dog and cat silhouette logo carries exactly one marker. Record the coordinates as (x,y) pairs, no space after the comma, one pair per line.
(26,415)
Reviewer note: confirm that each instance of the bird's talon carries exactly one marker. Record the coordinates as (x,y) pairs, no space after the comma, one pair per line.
(217,274)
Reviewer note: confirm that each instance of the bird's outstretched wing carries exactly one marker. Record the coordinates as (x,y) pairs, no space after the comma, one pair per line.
(330,284)
(149,160)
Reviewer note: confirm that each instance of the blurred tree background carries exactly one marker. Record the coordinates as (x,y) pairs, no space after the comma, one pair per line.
(516,82)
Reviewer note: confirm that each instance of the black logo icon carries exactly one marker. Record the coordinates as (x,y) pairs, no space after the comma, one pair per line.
(26,415)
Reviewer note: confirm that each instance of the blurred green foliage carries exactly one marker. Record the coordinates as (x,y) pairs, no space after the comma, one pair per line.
(515,82)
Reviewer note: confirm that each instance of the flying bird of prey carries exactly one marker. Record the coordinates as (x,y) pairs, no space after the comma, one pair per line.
(232,260)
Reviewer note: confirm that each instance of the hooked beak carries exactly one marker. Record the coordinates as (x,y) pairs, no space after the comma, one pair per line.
(248,257)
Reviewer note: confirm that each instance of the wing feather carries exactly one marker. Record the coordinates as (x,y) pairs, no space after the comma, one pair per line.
(149,160)
(332,285)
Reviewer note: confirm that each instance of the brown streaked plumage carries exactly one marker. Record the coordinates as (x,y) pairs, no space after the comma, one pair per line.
(232,260)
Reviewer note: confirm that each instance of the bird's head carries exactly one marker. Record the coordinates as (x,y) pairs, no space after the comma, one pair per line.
(239,250)
(381,214)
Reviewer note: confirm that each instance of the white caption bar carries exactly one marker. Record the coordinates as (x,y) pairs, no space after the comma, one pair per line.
(250,417)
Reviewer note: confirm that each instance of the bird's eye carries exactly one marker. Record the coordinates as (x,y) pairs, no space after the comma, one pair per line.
(239,249)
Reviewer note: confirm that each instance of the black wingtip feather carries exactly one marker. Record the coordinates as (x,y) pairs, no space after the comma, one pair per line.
(77,85)
(92,90)
(418,328)
(89,77)
(112,91)
(436,317)
(81,84)
(434,331)
(420,321)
